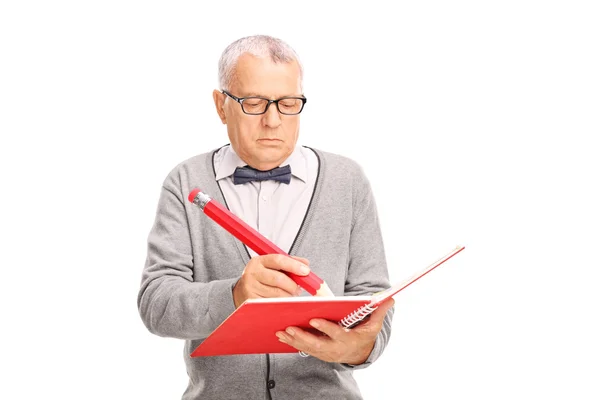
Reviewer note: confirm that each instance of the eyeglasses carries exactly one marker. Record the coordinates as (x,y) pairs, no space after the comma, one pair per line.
(259,105)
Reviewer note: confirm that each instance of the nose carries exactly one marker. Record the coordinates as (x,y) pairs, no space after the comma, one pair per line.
(271,118)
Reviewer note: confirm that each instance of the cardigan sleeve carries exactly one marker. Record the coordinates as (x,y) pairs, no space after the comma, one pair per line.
(367,269)
(170,302)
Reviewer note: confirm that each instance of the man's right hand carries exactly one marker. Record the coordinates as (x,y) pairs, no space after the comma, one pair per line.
(264,277)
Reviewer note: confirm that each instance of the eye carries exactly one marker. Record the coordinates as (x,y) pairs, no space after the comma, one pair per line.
(254,103)
(288,103)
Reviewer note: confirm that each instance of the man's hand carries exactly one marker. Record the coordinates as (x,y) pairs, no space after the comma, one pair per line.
(263,277)
(337,344)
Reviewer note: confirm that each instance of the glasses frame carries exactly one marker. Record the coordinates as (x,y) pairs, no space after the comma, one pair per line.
(269,102)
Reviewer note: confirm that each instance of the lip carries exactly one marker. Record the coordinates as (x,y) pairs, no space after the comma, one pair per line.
(268,140)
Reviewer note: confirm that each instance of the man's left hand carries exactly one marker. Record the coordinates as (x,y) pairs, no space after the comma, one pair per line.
(337,344)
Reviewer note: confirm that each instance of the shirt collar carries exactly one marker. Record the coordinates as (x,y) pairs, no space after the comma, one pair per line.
(230,161)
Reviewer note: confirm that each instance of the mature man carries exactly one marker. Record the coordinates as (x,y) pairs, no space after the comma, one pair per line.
(317,206)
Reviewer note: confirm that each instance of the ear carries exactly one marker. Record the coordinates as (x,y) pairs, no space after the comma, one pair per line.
(219,99)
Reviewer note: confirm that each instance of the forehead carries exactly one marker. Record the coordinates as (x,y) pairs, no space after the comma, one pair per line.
(262,76)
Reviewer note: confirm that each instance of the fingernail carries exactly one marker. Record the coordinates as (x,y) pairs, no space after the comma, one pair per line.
(298,291)
(280,337)
(304,269)
(313,323)
(290,331)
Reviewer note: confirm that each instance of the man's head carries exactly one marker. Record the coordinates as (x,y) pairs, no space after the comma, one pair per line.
(260,66)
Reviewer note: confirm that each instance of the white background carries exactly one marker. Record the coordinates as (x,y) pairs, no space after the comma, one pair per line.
(477,123)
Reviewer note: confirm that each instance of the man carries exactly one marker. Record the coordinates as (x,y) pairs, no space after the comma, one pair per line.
(322,213)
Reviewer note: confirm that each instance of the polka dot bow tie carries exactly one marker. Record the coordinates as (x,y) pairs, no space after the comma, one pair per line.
(248,174)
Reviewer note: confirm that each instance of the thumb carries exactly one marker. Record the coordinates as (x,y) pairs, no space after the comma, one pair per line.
(378,315)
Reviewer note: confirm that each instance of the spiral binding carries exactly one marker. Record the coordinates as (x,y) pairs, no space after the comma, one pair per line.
(352,319)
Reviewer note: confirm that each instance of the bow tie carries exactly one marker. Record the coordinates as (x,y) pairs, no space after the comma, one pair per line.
(248,174)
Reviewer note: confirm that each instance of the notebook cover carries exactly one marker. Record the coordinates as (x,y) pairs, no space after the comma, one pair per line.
(251,328)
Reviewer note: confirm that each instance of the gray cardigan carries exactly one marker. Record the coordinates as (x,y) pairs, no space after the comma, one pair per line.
(193,264)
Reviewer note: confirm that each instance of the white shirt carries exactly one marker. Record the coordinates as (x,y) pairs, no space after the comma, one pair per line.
(273,208)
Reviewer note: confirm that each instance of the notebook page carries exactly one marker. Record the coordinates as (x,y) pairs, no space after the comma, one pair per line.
(378,298)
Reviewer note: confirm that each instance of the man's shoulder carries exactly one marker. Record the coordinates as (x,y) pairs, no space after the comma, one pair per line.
(199,162)
(338,163)
(342,174)
(198,167)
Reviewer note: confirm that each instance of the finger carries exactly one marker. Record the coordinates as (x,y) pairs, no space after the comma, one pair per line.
(265,291)
(253,289)
(374,321)
(329,328)
(379,314)
(278,280)
(301,259)
(284,263)
(285,338)
(302,340)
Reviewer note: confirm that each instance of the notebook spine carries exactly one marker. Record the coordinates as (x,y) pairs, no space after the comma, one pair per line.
(355,317)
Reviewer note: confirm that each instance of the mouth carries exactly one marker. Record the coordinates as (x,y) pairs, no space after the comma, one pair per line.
(269,140)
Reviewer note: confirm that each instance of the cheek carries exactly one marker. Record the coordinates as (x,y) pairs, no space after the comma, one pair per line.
(293,128)
(247,128)
(243,132)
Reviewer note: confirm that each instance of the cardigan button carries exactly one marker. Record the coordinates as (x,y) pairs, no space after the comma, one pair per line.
(271,384)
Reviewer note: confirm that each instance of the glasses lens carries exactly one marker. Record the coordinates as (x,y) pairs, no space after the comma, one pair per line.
(290,106)
(254,105)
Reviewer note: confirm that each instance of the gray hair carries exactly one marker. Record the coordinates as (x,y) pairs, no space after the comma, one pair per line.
(259,46)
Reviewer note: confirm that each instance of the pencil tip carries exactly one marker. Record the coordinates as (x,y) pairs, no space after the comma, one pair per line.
(324,291)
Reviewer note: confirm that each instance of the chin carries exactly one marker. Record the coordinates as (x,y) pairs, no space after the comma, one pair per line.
(270,156)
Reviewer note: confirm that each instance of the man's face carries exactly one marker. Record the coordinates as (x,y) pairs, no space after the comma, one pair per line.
(263,141)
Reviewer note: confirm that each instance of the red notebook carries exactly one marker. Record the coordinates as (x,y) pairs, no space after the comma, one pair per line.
(251,328)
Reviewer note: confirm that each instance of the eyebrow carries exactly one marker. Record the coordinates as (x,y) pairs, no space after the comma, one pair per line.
(254,94)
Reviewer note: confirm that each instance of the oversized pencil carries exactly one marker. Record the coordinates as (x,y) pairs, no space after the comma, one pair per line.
(253,239)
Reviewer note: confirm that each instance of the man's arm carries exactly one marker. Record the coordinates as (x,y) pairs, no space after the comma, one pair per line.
(169,301)
(367,271)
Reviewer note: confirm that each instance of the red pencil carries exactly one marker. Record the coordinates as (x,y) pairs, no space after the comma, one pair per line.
(253,239)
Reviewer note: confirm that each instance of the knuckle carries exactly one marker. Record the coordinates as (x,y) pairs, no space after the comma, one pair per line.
(265,260)
(275,280)
(279,258)
(251,266)
(273,292)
